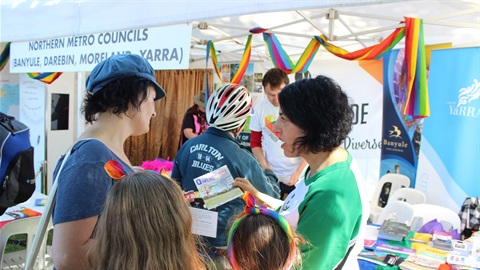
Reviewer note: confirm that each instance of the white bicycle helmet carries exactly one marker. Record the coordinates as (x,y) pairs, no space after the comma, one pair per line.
(228,107)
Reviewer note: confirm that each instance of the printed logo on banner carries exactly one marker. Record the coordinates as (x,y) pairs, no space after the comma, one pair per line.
(396,144)
(395,132)
(466,95)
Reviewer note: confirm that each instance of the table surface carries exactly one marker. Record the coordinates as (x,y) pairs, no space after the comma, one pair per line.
(30,203)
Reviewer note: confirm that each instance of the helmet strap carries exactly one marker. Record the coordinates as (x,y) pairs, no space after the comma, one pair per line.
(238,130)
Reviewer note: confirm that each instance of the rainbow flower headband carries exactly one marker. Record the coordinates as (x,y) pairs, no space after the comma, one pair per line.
(116,170)
(252,209)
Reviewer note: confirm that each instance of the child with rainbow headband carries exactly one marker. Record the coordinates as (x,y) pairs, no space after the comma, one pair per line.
(260,238)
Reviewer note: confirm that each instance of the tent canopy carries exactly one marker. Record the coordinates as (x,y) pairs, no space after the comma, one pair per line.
(351,24)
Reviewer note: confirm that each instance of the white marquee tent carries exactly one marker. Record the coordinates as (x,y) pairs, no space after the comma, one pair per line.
(351,24)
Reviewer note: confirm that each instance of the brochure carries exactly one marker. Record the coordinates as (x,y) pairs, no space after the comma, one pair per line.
(395,249)
(22,212)
(373,257)
(216,187)
(393,230)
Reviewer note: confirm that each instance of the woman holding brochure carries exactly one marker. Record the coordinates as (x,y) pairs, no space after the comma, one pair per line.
(327,206)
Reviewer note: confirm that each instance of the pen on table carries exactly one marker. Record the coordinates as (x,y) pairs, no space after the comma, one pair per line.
(416,240)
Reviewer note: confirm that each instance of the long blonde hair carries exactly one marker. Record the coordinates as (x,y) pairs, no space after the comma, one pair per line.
(146,224)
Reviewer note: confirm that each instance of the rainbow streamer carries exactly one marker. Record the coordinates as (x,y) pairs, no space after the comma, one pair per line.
(5,56)
(417,105)
(244,63)
(279,57)
(213,54)
(46,77)
(368,53)
(281,60)
(307,56)
(257,30)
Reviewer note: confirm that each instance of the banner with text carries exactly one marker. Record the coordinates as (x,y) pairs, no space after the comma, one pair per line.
(362,81)
(448,168)
(165,47)
(399,149)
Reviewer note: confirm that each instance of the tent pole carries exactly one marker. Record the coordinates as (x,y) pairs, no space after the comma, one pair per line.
(331,16)
(350,30)
(372,31)
(309,20)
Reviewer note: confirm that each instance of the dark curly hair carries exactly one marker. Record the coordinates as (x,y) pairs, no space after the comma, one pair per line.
(116,96)
(321,109)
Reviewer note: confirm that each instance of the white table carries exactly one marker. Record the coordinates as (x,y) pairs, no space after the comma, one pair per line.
(30,203)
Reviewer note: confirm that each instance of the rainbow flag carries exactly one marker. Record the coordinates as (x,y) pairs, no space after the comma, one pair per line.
(5,56)
(417,105)
(368,53)
(307,56)
(213,54)
(279,57)
(244,63)
(46,77)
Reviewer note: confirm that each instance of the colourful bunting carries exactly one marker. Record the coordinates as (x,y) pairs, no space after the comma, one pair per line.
(257,30)
(46,77)
(5,56)
(244,63)
(211,50)
(417,98)
(279,57)
(307,56)
(368,53)
(417,105)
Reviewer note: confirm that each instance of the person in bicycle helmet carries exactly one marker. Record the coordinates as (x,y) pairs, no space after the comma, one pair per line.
(229,107)
(227,111)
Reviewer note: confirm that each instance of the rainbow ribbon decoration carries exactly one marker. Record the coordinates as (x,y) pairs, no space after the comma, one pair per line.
(279,57)
(417,105)
(368,53)
(211,51)
(46,77)
(252,209)
(281,60)
(307,56)
(5,56)
(244,63)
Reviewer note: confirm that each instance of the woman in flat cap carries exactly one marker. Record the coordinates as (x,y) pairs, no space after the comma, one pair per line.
(119,103)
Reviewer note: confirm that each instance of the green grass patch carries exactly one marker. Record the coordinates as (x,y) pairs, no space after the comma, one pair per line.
(17,242)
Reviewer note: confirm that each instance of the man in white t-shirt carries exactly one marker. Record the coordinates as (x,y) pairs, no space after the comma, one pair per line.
(264,143)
